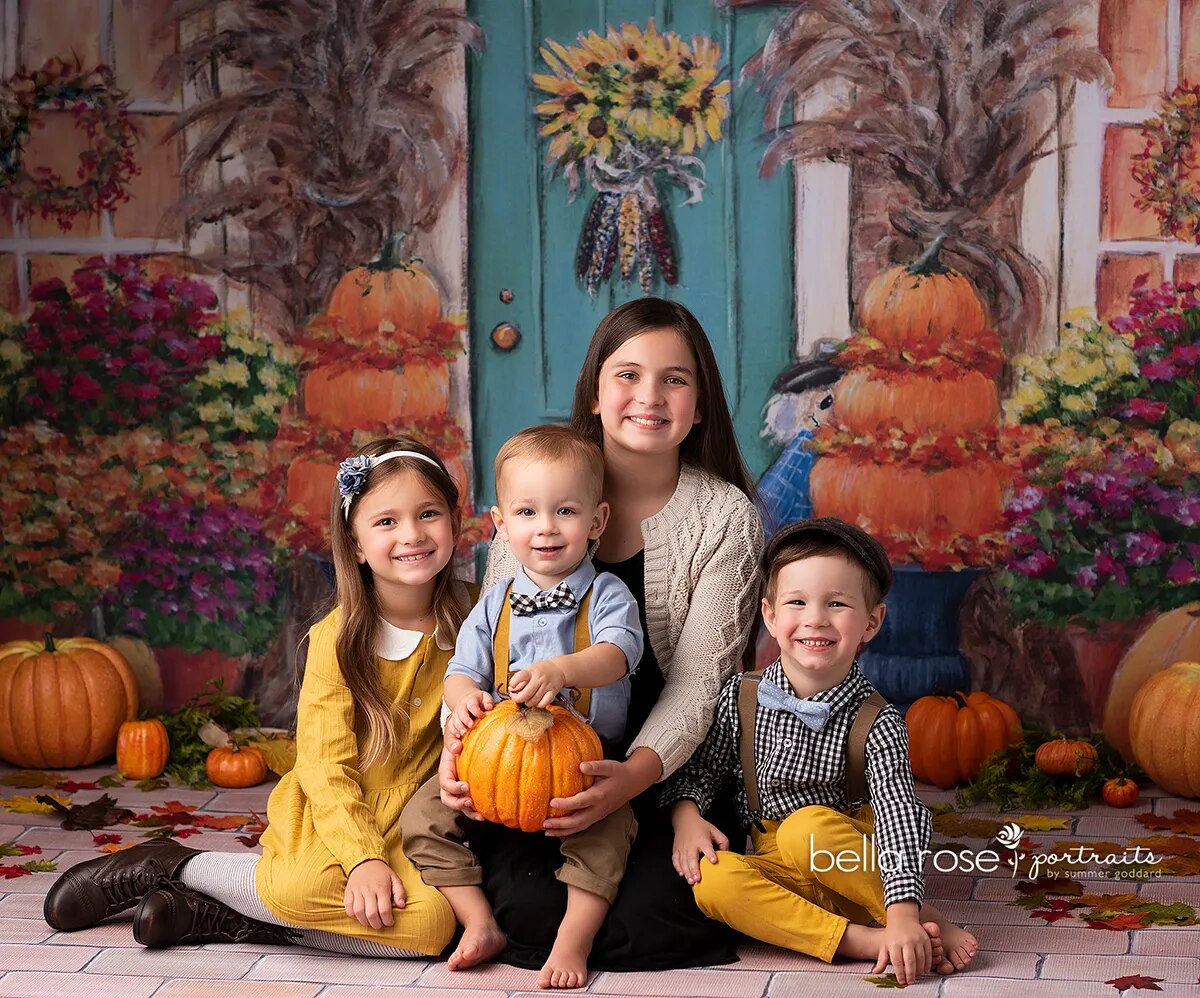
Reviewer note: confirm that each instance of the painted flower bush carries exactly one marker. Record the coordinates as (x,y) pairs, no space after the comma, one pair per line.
(114,349)
(241,391)
(1106,440)
(196,577)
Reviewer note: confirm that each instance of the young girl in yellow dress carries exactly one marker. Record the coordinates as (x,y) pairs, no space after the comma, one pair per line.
(332,874)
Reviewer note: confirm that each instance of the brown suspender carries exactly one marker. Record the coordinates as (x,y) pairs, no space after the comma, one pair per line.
(856,742)
(500,647)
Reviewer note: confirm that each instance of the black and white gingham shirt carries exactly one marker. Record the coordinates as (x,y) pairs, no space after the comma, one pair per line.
(798,767)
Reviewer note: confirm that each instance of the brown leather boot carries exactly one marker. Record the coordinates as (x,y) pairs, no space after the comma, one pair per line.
(174,915)
(92,891)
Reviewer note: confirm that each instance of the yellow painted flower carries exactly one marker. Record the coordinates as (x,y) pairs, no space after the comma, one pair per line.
(270,378)
(12,354)
(1084,402)
(269,402)
(244,420)
(237,373)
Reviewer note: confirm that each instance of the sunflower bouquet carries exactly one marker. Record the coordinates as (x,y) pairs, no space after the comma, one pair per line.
(629,109)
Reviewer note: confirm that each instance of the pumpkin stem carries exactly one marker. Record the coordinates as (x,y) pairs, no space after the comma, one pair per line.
(48,638)
(392,257)
(928,262)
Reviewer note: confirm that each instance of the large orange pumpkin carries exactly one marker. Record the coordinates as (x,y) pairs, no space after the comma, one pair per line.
(361,395)
(62,703)
(517,759)
(898,497)
(142,749)
(949,737)
(404,295)
(1173,637)
(864,399)
(924,301)
(1164,727)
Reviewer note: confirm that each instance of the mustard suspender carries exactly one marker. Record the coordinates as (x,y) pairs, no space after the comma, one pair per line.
(500,646)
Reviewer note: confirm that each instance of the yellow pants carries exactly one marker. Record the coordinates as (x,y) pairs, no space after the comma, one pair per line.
(784,895)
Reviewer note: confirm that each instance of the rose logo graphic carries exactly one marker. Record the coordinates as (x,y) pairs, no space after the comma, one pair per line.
(1010,835)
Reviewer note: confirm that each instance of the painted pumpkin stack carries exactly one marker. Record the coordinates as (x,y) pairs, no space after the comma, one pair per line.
(913,457)
(378,361)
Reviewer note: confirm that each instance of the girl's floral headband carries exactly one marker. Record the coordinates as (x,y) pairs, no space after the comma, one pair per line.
(352,472)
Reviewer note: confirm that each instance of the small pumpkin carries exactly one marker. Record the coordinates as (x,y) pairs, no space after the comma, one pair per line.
(1164,729)
(1066,757)
(517,759)
(62,702)
(1119,792)
(949,737)
(923,301)
(864,398)
(235,766)
(142,749)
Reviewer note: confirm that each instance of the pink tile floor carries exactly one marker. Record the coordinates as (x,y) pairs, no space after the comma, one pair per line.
(1019,955)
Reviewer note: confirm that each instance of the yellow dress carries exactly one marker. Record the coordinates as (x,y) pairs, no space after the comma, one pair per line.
(326,816)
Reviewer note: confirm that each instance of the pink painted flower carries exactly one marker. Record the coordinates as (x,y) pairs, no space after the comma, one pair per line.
(1144,409)
(1159,370)
(1144,547)
(1182,572)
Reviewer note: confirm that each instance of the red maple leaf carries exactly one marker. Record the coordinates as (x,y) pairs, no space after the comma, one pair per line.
(1139,982)
(224,822)
(1118,923)
(70,786)
(13,871)
(186,833)
(106,838)
(174,813)
(1050,916)
(28,850)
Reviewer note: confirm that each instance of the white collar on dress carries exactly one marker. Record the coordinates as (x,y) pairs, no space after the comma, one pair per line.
(396,643)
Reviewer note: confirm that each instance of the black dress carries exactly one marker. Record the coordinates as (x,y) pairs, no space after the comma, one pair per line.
(654,923)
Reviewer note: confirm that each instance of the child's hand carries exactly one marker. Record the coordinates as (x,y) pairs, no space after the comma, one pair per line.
(454,793)
(462,718)
(694,837)
(906,947)
(538,685)
(372,889)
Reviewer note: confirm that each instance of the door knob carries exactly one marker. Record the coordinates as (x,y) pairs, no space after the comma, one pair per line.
(505,336)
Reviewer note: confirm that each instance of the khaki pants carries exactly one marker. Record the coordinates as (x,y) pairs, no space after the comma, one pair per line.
(595,858)
(776,895)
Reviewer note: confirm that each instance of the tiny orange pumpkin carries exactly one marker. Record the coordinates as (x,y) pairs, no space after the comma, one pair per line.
(142,749)
(235,766)
(1066,757)
(1119,792)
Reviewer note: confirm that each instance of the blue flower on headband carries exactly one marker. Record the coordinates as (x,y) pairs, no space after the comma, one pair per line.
(352,473)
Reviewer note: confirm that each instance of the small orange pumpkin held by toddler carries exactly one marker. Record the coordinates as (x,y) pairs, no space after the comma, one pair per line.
(516,759)
(234,766)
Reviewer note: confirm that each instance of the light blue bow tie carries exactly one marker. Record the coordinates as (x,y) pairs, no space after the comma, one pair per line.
(812,713)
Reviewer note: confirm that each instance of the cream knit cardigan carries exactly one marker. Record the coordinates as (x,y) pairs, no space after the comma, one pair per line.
(702,594)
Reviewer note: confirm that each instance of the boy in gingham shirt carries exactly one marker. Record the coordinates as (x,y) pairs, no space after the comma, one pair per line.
(814,883)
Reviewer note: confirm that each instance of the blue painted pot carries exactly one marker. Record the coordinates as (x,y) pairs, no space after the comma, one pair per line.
(915,653)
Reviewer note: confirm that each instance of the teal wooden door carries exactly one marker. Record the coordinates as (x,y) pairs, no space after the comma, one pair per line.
(734,246)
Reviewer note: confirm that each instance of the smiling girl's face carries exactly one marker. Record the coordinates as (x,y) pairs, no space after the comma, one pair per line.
(403,531)
(648,394)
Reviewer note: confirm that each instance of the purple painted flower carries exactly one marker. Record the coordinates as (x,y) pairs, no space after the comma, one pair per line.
(1078,508)
(1026,500)
(1159,370)
(1087,577)
(1106,564)
(1144,547)
(1035,565)
(1182,572)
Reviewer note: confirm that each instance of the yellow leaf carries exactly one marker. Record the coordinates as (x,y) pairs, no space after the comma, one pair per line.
(116,847)
(279,753)
(27,805)
(1042,822)
(27,779)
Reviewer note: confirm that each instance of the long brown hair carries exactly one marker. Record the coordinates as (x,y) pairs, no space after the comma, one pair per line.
(711,444)
(355,595)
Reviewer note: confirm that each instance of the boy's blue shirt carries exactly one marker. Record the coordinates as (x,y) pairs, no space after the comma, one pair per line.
(612,618)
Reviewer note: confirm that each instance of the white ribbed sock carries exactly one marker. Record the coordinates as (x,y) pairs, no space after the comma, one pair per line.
(229,878)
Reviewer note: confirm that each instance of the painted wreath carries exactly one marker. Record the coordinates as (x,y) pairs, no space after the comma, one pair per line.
(1168,169)
(100,109)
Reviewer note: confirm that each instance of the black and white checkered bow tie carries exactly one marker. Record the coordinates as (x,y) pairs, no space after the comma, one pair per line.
(558,598)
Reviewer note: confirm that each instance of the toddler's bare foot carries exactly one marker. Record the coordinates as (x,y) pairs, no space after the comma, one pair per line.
(860,942)
(480,942)
(567,965)
(934,931)
(959,948)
